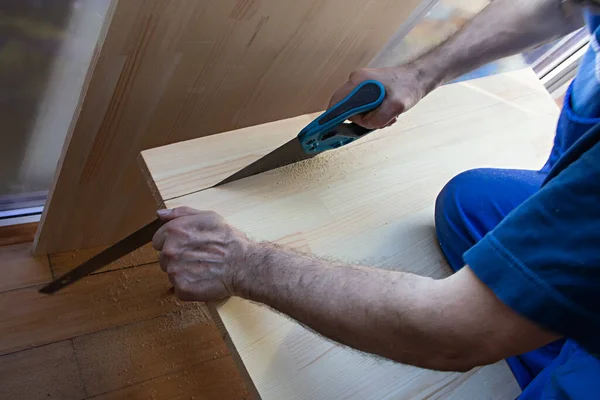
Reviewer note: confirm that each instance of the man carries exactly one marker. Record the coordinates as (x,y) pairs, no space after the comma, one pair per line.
(529,291)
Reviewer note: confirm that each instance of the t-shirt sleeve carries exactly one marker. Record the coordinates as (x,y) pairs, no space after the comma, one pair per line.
(543,259)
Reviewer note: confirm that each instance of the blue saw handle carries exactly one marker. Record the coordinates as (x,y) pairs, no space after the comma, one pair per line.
(329,130)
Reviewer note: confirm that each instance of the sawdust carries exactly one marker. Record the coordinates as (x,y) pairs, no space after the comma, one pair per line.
(326,167)
(143,350)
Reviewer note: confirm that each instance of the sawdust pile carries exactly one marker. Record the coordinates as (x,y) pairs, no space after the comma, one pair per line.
(325,167)
(145,350)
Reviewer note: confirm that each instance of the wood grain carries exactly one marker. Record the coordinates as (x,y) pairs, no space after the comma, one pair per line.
(371,203)
(171,70)
(135,353)
(66,261)
(19,233)
(95,303)
(215,380)
(46,372)
(20,269)
(142,356)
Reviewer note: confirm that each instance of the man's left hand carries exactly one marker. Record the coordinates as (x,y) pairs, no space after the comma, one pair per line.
(200,252)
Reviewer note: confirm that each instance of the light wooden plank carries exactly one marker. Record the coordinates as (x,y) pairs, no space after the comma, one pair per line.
(98,302)
(47,372)
(183,168)
(66,261)
(370,203)
(173,70)
(20,269)
(211,381)
(115,358)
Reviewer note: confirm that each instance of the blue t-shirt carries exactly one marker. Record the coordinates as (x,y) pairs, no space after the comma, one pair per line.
(582,101)
(587,84)
(543,259)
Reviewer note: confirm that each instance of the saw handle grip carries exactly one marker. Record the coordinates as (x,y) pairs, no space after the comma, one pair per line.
(329,131)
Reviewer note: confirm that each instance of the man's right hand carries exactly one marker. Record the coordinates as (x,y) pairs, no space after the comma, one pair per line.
(404,86)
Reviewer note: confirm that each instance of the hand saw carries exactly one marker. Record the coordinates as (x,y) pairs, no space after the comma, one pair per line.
(328,131)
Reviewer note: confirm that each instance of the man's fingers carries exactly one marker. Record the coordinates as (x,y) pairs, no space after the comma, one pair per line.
(204,220)
(378,118)
(170,214)
(373,119)
(161,235)
(198,291)
(341,93)
(382,116)
(158,240)
(392,122)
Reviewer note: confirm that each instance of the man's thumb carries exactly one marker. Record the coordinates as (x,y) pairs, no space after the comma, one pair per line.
(166,214)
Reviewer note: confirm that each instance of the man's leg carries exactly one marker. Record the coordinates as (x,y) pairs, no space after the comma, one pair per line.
(467,208)
(474,202)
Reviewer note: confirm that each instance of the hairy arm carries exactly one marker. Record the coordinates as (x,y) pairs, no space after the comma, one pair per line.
(455,323)
(503,28)
(448,324)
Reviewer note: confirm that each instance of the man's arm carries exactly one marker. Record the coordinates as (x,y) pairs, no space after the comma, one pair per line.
(503,28)
(449,324)
(454,324)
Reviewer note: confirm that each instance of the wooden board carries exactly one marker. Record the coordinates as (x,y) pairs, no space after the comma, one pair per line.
(41,373)
(370,203)
(213,380)
(171,70)
(98,302)
(138,352)
(19,269)
(157,353)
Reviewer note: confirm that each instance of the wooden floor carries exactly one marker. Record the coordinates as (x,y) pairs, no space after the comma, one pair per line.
(119,334)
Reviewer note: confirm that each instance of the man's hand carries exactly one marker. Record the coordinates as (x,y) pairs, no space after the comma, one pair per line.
(404,87)
(448,324)
(201,253)
(503,28)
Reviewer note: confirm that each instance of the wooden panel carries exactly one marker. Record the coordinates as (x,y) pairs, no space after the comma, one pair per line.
(15,234)
(47,372)
(215,380)
(370,203)
(115,358)
(20,269)
(98,302)
(171,70)
(64,262)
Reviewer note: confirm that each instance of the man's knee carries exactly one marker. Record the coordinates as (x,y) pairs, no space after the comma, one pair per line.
(475,201)
(459,197)
(456,210)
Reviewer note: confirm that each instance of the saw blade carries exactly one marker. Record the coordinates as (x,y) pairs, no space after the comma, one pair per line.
(290,153)
(124,246)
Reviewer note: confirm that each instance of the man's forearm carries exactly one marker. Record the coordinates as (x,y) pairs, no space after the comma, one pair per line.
(449,324)
(340,302)
(401,316)
(503,28)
